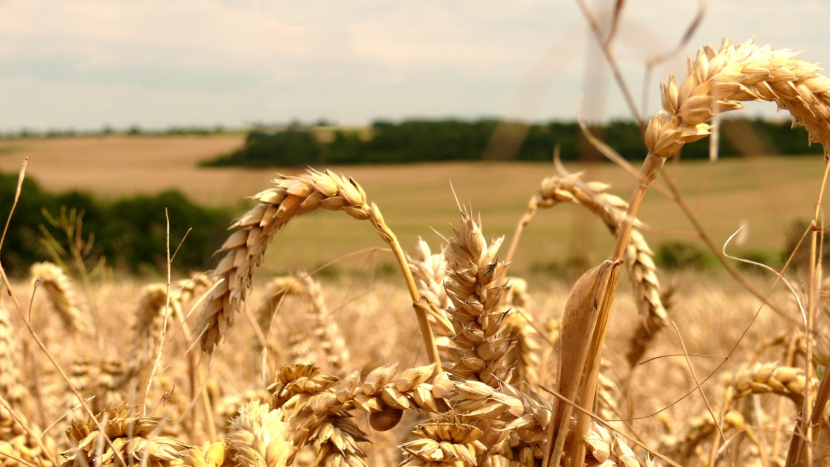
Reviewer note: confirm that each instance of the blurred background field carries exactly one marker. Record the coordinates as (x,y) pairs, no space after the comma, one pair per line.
(759,192)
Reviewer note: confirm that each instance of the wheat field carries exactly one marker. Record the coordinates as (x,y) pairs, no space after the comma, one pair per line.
(765,193)
(455,359)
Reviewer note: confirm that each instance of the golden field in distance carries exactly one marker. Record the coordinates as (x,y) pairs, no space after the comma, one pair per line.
(767,193)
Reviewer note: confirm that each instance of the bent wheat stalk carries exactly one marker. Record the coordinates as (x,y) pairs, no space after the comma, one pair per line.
(565,187)
(291,197)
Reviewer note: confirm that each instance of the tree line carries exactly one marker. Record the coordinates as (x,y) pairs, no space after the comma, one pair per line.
(130,233)
(387,142)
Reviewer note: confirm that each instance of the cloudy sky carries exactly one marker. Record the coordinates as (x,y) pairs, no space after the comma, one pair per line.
(86,63)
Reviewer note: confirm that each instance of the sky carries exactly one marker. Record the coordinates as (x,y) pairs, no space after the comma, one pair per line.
(84,64)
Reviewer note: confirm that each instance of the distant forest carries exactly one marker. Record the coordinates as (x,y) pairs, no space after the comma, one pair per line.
(410,141)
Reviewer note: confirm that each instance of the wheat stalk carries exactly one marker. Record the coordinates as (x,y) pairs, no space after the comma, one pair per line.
(569,188)
(292,196)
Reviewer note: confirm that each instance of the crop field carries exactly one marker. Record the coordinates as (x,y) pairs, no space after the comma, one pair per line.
(764,193)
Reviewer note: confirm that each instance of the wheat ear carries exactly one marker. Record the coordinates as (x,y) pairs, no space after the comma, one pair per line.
(444,444)
(149,318)
(786,381)
(25,441)
(325,330)
(526,351)
(475,291)
(275,292)
(292,196)
(60,293)
(317,413)
(132,436)
(430,270)
(11,385)
(259,437)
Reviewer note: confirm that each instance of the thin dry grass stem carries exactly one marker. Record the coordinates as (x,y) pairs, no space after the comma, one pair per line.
(20,177)
(196,376)
(292,196)
(165,316)
(59,291)
(697,382)
(606,48)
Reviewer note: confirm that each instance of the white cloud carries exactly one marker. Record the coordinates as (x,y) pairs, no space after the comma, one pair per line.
(84,63)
